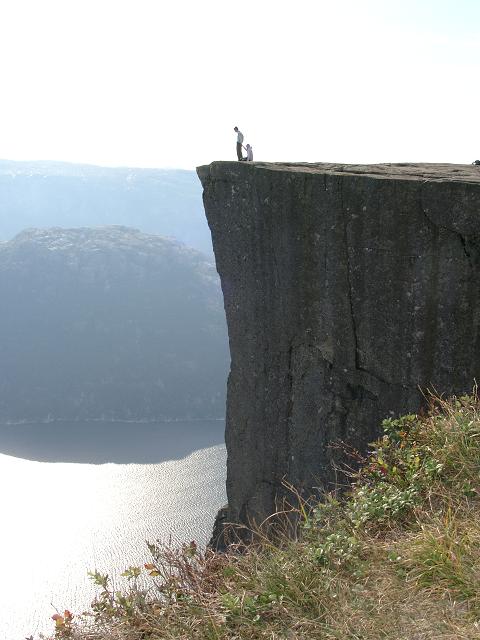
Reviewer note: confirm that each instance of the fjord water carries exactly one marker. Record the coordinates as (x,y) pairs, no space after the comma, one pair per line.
(80,497)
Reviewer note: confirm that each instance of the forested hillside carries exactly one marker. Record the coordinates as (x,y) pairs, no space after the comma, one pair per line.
(109,324)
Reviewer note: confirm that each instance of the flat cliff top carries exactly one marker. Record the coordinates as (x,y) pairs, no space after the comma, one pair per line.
(441,172)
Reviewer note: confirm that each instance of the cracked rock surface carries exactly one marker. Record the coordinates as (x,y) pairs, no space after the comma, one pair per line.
(347,289)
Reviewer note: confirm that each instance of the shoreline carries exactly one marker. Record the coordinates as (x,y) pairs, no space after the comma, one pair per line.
(11,423)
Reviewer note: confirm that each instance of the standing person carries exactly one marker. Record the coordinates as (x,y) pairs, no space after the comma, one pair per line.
(249,151)
(239,143)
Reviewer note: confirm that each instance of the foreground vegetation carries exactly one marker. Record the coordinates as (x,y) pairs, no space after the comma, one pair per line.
(398,557)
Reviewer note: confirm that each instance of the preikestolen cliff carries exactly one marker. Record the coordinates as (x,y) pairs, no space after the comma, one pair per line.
(349,290)
(352,302)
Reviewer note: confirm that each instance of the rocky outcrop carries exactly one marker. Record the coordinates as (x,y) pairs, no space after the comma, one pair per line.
(348,290)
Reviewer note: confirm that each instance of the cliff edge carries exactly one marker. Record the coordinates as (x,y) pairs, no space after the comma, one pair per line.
(347,289)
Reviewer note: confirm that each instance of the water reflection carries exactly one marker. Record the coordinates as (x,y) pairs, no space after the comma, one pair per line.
(61,520)
(119,442)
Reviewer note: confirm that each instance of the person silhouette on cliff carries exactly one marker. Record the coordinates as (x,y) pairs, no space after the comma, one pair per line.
(239,143)
(249,150)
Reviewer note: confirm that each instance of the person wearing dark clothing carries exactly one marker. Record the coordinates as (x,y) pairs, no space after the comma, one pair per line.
(239,143)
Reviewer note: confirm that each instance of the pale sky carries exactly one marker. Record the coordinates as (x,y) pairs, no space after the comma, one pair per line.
(162,84)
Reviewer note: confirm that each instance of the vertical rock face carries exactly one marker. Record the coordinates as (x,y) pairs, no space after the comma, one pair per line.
(347,289)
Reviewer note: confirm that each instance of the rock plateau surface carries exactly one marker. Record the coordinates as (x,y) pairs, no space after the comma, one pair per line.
(348,289)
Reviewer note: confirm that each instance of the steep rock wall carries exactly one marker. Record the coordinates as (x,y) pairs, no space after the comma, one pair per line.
(346,289)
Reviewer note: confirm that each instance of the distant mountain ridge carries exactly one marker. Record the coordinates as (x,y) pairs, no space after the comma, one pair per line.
(48,194)
(109,324)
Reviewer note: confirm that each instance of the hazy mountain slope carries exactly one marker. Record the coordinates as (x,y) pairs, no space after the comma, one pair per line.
(45,194)
(109,323)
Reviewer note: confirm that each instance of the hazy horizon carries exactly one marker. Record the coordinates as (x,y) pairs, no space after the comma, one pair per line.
(55,161)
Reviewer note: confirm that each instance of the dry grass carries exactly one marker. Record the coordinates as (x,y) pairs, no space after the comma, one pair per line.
(396,559)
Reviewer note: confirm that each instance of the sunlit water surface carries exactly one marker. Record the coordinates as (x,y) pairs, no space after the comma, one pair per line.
(64,516)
